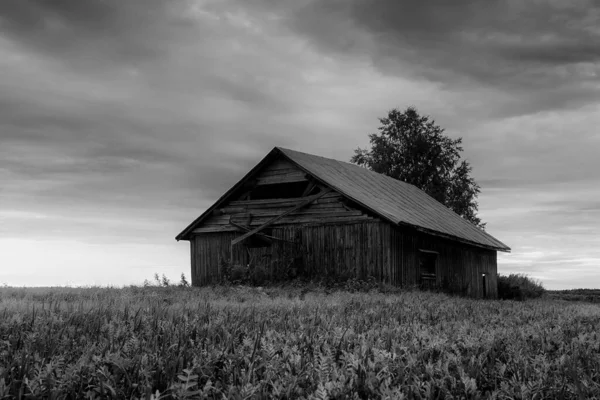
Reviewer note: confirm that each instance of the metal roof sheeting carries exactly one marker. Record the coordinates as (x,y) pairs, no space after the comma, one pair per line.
(394,200)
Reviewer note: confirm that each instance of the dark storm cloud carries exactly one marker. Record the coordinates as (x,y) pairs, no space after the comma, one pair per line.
(103,101)
(160,40)
(99,30)
(542,53)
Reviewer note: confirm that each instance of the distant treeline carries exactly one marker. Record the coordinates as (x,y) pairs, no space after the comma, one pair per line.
(587,295)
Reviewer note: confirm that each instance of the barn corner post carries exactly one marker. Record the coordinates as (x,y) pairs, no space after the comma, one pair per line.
(227,264)
(193,262)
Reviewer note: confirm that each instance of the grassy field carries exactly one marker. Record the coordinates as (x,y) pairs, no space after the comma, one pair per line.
(243,343)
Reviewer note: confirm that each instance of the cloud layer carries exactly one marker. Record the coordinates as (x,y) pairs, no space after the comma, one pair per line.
(543,55)
(122,121)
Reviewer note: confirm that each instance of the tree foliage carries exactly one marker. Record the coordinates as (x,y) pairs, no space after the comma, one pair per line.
(412,148)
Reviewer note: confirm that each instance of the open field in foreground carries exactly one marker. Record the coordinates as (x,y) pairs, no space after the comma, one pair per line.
(242,343)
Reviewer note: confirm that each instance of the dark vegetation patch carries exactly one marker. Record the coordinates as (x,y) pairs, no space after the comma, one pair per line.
(519,287)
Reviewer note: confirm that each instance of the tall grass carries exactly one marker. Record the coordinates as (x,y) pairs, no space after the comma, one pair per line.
(243,343)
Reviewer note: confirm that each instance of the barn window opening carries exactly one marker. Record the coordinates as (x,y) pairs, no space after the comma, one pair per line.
(286,190)
(427,261)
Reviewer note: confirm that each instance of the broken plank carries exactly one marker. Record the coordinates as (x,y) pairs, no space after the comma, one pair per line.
(275,219)
(309,188)
(248,228)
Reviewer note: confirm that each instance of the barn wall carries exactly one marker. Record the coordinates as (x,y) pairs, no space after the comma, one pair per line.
(458,266)
(211,250)
(403,258)
(352,250)
(361,249)
(349,249)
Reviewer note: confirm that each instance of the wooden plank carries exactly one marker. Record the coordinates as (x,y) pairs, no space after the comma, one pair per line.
(283,178)
(328,204)
(280,164)
(216,229)
(328,194)
(309,188)
(275,172)
(265,237)
(329,201)
(320,220)
(300,213)
(277,218)
(289,219)
(326,207)
(262,235)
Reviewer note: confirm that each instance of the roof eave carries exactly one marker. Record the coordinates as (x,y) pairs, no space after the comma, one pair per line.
(505,249)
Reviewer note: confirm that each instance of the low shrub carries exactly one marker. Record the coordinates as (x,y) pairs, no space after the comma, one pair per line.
(258,276)
(519,287)
(238,274)
(163,281)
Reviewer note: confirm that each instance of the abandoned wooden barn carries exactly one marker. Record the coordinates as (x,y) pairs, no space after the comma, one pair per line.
(298,214)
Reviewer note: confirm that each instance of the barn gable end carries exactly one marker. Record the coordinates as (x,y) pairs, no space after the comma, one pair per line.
(274,189)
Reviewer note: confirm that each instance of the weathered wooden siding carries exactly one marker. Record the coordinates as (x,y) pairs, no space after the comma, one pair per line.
(350,250)
(403,258)
(212,249)
(458,266)
(253,213)
(359,249)
(280,171)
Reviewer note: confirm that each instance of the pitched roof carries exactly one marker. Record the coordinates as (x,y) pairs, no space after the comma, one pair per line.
(393,200)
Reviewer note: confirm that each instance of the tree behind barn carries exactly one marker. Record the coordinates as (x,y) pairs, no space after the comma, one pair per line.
(414,149)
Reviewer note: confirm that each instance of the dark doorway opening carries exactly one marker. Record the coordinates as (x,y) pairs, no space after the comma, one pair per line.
(484,285)
(286,190)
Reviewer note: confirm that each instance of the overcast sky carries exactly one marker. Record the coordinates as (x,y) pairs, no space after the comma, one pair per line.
(122,121)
